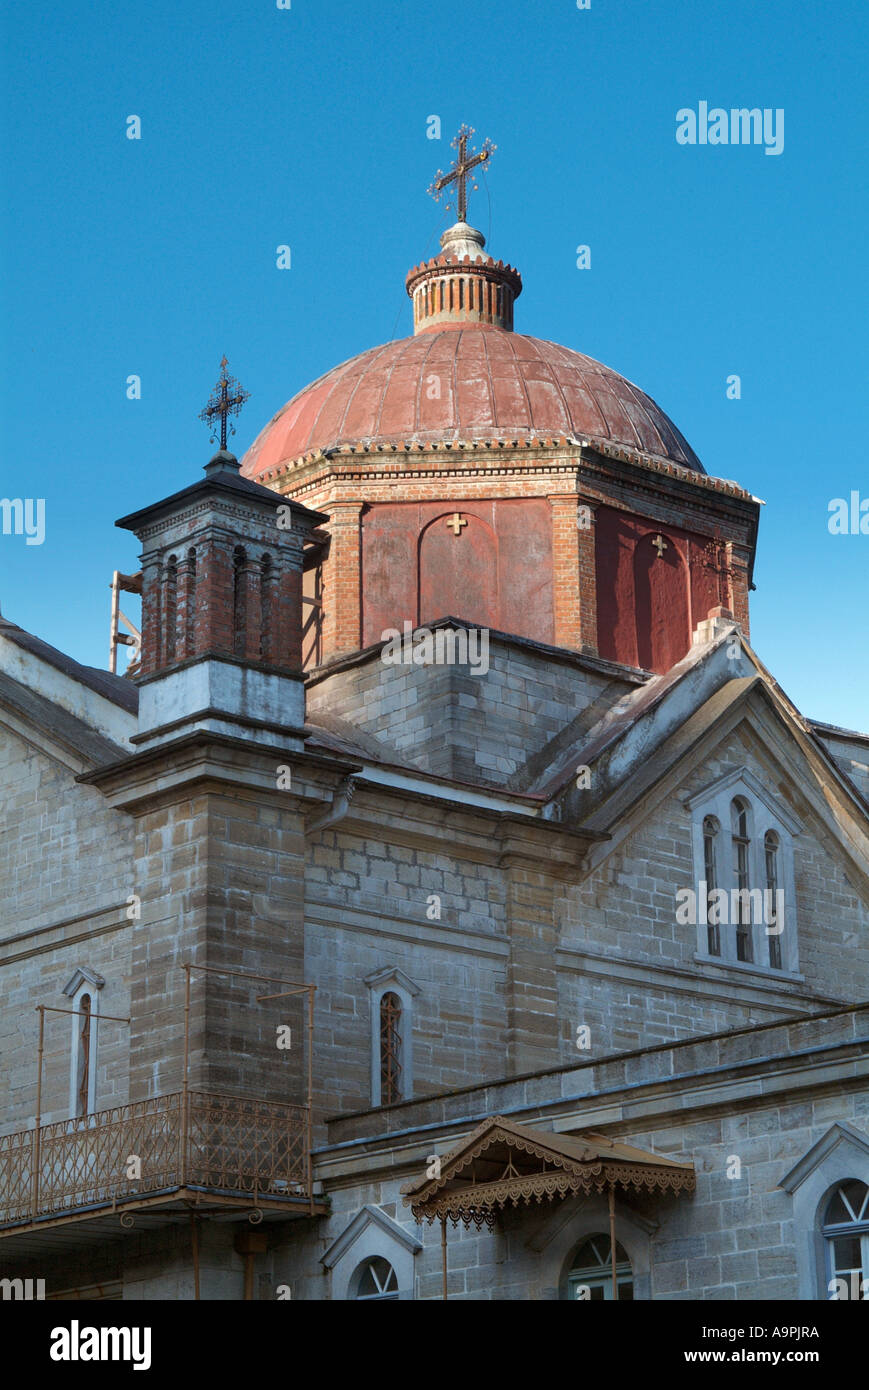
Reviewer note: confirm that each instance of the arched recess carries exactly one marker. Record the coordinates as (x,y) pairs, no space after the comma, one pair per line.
(661,602)
(457,570)
(572,1223)
(840,1155)
(372,1235)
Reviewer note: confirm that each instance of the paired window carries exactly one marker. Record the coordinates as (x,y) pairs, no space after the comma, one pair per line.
(743,854)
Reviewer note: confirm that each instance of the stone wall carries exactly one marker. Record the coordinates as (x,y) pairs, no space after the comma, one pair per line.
(66,873)
(446,720)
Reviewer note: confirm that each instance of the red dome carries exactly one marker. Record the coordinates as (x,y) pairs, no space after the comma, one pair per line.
(472,383)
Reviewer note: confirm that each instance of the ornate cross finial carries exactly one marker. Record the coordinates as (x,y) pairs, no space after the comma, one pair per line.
(461,169)
(226,399)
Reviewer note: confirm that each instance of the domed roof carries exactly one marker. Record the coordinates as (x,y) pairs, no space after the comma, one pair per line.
(473,382)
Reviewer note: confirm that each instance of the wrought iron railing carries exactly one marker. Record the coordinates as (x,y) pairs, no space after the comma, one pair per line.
(224,1144)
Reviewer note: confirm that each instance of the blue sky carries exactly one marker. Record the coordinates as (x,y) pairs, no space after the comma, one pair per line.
(307,127)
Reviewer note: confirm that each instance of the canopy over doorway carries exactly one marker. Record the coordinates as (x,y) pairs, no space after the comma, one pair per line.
(503,1164)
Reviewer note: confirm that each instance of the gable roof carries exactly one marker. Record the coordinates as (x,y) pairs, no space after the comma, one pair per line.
(59,724)
(838,1134)
(118,689)
(649,729)
(503,1163)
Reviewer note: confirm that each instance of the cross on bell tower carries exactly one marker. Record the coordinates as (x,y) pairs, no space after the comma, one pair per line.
(226,399)
(461,170)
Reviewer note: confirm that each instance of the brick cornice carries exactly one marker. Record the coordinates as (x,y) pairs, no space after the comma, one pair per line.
(580,454)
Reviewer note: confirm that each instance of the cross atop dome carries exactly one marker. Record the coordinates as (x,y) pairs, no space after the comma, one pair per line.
(463,285)
(461,171)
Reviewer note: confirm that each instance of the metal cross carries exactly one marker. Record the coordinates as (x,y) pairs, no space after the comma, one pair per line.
(715,558)
(462,167)
(226,399)
(660,544)
(456,523)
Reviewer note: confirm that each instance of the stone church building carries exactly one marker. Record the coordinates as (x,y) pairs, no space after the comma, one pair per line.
(448,902)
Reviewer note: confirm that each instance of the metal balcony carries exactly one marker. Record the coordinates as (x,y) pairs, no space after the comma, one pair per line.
(187,1150)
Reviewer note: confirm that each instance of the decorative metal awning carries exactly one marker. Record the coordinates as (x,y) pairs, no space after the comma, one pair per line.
(505,1164)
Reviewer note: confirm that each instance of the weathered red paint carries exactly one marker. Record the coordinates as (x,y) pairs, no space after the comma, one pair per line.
(466,382)
(496,573)
(648,604)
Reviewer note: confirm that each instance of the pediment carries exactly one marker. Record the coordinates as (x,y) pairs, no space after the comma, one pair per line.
(743,776)
(391,975)
(82,976)
(367,1217)
(839,1136)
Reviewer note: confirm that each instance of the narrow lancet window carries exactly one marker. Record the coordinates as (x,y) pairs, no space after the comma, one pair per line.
(390,1049)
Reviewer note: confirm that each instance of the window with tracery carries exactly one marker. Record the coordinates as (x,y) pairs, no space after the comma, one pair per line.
(376,1279)
(846,1238)
(591,1277)
(744,906)
(390,1049)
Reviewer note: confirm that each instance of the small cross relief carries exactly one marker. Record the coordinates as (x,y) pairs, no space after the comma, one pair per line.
(456,523)
(660,544)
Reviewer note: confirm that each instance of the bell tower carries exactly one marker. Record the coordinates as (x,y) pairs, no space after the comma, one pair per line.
(216,786)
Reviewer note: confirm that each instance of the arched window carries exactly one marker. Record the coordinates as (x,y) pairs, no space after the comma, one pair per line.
(846,1238)
(392,997)
(743,842)
(742,877)
(390,1049)
(710,869)
(265,635)
(83,1060)
(774,926)
(375,1278)
(239,600)
(591,1277)
(190,604)
(170,600)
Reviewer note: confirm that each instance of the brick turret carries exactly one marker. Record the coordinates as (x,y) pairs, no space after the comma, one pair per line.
(221,603)
(461,285)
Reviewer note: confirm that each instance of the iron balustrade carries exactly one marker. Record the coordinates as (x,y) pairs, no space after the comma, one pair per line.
(227,1144)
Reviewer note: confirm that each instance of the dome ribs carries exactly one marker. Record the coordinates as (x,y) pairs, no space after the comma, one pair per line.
(673,443)
(508,384)
(330,421)
(363,405)
(397,414)
(477,384)
(475,399)
(438,412)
